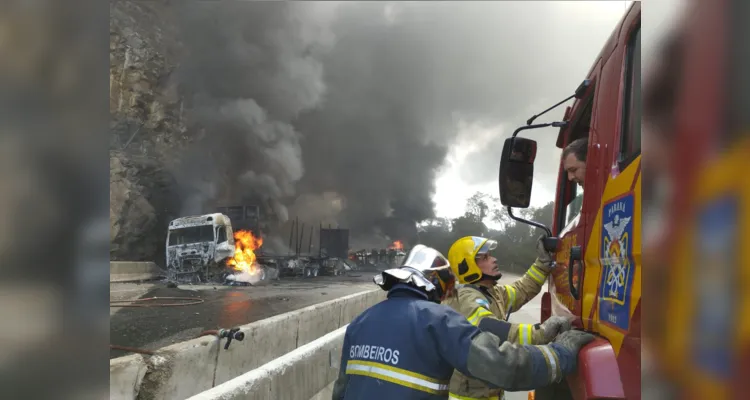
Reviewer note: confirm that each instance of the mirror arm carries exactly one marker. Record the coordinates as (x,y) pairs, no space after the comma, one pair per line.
(556,124)
(532,223)
(537,126)
(580,91)
(530,120)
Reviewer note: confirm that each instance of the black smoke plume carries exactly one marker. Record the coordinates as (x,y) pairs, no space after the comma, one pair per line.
(342,113)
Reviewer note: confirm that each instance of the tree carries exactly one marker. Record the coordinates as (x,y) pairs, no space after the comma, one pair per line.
(545,214)
(468,225)
(443,224)
(478,206)
(516,242)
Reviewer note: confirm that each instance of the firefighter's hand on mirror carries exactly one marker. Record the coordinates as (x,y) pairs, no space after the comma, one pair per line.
(543,256)
(554,326)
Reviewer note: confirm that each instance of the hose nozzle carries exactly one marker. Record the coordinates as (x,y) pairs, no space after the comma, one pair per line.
(230,334)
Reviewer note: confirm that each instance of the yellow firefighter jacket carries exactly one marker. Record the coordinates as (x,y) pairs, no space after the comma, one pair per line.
(477,303)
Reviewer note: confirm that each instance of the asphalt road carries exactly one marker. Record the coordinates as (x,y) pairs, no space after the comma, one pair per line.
(223,307)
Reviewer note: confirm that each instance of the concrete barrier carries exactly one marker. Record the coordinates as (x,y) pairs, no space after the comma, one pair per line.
(325,394)
(125,376)
(188,368)
(301,374)
(134,271)
(270,338)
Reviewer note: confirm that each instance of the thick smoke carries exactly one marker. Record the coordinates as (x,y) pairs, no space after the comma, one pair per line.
(343,112)
(399,79)
(249,69)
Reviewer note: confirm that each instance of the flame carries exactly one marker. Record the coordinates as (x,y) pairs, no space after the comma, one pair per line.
(397,245)
(244,258)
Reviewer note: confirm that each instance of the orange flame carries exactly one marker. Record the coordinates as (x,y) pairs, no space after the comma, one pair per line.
(244,258)
(397,245)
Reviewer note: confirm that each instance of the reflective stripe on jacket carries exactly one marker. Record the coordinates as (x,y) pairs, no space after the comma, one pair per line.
(453,396)
(397,376)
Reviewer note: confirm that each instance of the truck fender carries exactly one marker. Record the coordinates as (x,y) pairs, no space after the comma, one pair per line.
(597,375)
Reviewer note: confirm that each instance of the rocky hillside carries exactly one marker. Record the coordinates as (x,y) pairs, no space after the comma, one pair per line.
(146,128)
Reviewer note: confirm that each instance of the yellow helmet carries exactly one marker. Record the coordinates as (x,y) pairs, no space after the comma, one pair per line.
(462,257)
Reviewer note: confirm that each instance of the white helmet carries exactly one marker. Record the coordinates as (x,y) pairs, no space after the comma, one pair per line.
(424,268)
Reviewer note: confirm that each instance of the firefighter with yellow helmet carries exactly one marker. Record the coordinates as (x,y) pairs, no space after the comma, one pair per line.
(487,305)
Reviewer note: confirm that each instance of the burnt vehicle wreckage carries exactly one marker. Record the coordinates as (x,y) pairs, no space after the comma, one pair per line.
(331,257)
(198,247)
(219,247)
(378,257)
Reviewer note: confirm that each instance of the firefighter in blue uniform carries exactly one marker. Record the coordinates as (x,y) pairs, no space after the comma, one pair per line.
(407,346)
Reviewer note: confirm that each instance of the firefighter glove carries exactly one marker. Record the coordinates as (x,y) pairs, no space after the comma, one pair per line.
(554,326)
(543,256)
(567,345)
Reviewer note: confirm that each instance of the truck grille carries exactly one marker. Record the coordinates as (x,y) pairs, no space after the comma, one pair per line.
(189,264)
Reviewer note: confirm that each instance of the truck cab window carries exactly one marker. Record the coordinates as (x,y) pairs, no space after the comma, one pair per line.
(221,234)
(251,212)
(190,235)
(570,198)
(630,139)
(574,207)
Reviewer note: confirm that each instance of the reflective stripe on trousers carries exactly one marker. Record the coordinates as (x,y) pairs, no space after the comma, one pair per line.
(397,376)
(453,396)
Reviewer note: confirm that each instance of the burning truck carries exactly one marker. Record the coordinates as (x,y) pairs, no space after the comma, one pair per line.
(205,248)
(198,247)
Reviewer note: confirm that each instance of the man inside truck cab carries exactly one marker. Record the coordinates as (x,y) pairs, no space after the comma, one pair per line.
(574,160)
(487,304)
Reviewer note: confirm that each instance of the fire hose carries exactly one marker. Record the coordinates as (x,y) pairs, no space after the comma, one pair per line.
(229,334)
(142,302)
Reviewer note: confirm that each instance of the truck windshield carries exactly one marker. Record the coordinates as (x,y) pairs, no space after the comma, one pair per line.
(192,234)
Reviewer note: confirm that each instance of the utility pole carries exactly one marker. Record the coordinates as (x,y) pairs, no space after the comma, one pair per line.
(309,244)
(291,233)
(301,236)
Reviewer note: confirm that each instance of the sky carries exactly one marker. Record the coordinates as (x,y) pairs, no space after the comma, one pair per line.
(472,162)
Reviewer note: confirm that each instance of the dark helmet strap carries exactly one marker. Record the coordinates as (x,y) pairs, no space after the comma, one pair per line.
(436,294)
(491,278)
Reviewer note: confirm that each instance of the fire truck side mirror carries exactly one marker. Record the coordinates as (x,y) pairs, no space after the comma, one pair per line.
(517,172)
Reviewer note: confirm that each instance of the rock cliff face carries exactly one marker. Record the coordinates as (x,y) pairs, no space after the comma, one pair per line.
(142,203)
(146,128)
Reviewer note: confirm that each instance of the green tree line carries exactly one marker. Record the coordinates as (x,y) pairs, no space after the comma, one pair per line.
(516,242)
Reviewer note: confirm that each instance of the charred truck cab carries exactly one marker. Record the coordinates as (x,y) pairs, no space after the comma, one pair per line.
(198,246)
(596,234)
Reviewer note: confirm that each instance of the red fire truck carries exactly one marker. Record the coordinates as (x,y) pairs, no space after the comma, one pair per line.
(596,232)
